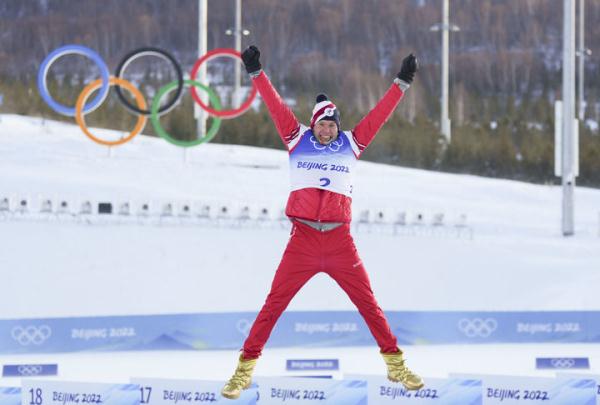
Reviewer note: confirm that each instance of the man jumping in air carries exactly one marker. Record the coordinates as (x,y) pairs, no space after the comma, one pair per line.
(322,163)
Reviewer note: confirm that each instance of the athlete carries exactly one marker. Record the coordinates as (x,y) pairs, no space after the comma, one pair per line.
(322,164)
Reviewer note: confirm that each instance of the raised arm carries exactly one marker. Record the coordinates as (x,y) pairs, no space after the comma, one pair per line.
(368,127)
(283,117)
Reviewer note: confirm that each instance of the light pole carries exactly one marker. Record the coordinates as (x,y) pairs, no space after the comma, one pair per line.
(199,113)
(237,32)
(582,53)
(568,166)
(445,27)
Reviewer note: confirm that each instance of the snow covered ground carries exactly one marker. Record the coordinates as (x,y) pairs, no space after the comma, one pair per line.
(53,267)
(516,260)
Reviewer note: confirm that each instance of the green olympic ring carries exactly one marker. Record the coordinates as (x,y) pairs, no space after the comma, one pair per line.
(154,115)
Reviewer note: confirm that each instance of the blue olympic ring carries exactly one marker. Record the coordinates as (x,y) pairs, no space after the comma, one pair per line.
(66,50)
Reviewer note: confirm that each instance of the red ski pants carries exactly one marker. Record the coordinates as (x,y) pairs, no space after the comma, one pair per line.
(309,252)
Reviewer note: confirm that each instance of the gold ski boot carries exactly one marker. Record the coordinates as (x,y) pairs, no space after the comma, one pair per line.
(240,380)
(398,372)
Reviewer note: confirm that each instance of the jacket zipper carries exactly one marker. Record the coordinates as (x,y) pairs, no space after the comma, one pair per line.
(321,193)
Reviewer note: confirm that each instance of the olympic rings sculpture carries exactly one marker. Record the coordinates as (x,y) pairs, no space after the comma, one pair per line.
(141,108)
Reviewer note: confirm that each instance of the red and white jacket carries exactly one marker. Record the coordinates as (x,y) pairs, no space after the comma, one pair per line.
(313,203)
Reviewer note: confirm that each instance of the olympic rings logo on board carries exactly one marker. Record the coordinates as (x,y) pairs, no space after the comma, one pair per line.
(140,108)
(31,335)
(477,327)
(563,363)
(29,370)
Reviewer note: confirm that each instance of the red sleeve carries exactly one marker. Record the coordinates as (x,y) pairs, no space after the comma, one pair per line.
(368,127)
(285,121)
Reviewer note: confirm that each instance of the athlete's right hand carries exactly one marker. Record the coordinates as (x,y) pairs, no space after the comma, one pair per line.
(410,65)
(251,58)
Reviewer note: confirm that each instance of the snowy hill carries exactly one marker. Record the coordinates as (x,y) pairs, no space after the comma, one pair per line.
(516,260)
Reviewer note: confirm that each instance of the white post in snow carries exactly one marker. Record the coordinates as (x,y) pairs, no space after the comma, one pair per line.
(568,115)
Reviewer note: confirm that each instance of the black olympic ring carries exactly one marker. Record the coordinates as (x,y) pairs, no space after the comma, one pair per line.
(145,51)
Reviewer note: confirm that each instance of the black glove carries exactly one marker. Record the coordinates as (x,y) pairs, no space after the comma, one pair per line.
(251,59)
(410,65)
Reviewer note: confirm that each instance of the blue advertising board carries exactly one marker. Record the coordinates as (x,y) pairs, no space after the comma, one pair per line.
(215,331)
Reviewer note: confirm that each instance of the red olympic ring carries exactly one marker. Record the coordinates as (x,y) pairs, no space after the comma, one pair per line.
(223,113)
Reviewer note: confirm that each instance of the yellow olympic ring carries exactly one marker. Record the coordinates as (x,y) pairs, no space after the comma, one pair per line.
(85,94)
